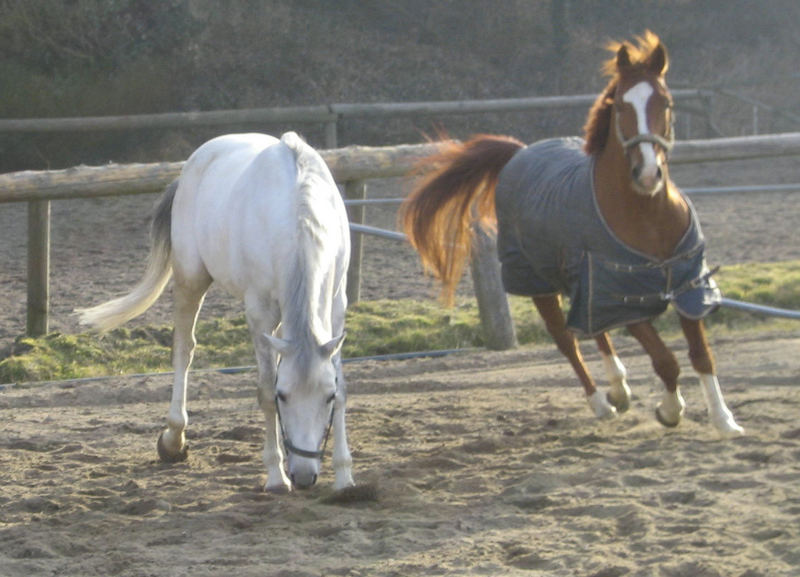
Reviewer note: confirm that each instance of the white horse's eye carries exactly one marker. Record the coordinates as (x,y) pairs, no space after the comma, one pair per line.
(331,398)
(281,396)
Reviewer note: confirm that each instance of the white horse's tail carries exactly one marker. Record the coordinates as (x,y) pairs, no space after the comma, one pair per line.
(115,312)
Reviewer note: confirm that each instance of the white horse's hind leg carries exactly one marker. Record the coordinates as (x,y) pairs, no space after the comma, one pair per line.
(188,300)
(719,413)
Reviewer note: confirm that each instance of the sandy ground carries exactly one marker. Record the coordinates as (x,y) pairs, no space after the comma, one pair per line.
(476,464)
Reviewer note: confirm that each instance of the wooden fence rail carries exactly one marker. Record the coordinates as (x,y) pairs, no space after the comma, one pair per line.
(351,166)
(327,114)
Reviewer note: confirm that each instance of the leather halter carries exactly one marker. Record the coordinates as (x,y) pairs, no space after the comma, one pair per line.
(665,142)
(290,447)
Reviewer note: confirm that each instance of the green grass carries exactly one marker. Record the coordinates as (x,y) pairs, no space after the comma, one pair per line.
(373,328)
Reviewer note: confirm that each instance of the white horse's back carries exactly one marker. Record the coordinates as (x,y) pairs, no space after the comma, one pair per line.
(237,209)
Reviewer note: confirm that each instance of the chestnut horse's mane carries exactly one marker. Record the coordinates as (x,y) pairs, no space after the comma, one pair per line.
(599,119)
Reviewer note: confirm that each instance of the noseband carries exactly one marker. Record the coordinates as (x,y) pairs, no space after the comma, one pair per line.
(290,447)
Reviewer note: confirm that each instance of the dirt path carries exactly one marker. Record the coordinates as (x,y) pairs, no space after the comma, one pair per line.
(477,464)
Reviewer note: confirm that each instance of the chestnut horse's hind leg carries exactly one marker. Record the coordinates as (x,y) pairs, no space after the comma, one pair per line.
(703,363)
(549,308)
(619,393)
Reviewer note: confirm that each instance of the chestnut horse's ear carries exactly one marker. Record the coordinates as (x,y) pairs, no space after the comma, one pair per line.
(658,61)
(623,58)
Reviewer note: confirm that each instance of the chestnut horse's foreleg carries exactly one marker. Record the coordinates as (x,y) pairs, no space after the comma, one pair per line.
(703,363)
(671,408)
(549,308)
(619,393)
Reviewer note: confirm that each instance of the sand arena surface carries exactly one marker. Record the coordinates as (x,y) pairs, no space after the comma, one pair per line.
(476,464)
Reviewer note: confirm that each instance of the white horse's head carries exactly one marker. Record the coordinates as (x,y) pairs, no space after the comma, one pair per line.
(307,393)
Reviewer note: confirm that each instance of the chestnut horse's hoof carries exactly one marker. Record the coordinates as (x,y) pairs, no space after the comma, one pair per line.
(600,406)
(168,457)
(622,404)
(670,425)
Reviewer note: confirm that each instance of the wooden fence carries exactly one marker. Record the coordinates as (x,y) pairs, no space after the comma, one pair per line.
(693,101)
(351,166)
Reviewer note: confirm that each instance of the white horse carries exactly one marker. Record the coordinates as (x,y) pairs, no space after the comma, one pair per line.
(263,218)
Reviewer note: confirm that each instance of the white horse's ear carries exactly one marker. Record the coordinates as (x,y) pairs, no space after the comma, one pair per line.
(333,346)
(281,346)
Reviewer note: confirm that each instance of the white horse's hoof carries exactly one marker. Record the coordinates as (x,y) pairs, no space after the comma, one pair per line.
(619,395)
(601,407)
(168,455)
(670,410)
(278,489)
(344,482)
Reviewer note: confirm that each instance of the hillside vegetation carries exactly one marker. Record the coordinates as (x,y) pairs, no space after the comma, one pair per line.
(116,57)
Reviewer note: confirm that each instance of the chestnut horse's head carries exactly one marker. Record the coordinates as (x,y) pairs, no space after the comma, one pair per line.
(635,112)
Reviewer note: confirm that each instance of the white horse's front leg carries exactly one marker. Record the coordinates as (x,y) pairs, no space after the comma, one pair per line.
(262,319)
(342,461)
(619,393)
(277,481)
(719,413)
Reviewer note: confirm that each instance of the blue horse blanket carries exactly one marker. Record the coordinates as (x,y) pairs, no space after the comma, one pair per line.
(552,238)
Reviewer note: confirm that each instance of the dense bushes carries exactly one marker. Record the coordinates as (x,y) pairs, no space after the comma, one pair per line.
(102,57)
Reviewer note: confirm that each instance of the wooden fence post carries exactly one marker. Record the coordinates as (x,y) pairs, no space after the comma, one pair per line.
(331,134)
(38,267)
(355,190)
(498,328)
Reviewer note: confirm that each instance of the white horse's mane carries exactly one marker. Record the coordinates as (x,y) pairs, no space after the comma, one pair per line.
(312,271)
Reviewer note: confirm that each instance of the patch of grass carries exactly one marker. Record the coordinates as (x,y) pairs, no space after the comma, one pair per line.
(373,328)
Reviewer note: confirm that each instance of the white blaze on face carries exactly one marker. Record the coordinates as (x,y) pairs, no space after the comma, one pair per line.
(637,97)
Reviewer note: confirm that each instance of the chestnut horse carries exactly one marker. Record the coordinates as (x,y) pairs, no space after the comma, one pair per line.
(597,219)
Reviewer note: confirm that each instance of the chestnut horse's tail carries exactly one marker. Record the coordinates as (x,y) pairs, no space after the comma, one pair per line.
(439,213)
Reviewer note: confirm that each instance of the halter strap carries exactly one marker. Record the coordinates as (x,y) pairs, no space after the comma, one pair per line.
(290,447)
(667,143)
